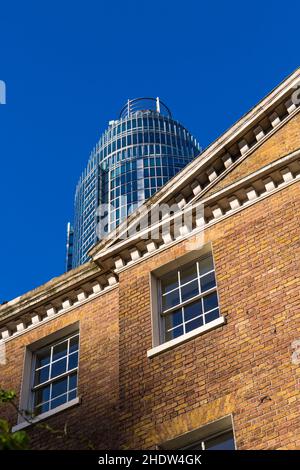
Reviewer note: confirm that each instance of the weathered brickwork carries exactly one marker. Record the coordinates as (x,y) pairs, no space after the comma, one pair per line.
(242,368)
(94,420)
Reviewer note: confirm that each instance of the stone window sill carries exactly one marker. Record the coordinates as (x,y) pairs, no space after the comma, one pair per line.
(182,339)
(47,414)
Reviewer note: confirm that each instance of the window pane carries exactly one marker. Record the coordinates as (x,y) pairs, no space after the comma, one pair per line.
(72,394)
(41,395)
(42,408)
(171,299)
(59,367)
(207,282)
(189,290)
(206,264)
(73,361)
(74,342)
(58,401)
(188,273)
(59,387)
(72,381)
(174,319)
(193,324)
(169,283)
(60,350)
(212,315)
(174,333)
(41,375)
(193,310)
(223,442)
(210,301)
(43,358)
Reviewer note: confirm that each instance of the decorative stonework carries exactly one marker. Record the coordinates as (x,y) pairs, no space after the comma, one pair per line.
(63,305)
(187,189)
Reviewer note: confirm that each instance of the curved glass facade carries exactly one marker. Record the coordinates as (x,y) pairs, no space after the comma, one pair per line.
(135,157)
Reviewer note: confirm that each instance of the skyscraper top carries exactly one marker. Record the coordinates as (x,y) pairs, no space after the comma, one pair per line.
(143,105)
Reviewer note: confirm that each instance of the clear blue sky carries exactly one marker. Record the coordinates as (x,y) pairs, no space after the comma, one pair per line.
(70,65)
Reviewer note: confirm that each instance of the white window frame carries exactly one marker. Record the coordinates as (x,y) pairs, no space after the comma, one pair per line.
(26,394)
(159,345)
(201,435)
(50,381)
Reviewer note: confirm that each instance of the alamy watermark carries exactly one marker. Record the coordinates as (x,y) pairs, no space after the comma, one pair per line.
(2,92)
(155,222)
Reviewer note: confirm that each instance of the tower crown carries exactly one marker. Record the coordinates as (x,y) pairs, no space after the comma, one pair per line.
(144,105)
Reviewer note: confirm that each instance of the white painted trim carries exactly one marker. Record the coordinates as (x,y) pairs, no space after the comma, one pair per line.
(227,214)
(243,156)
(59,313)
(255,115)
(182,339)
(208,225)
(47,414)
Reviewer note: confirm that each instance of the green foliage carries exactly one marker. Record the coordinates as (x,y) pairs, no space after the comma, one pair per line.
(9,440)
(12,441)
(7,395)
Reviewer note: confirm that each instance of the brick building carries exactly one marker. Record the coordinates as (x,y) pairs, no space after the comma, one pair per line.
(185,339)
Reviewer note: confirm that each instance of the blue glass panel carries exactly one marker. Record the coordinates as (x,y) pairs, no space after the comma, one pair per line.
(171,299)
(210,301)
(213,315)
(174,333)
(190,290)
(59,387)
(193,324)
(73,360)
(192,310)
(58,401)
(59,367)
(60,350)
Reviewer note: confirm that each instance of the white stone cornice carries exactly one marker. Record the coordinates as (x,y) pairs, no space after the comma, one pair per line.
(6,333)
(205,161)
(248,183)
(259,133)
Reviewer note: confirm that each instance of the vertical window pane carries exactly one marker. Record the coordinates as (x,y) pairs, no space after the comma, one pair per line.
(189,290)
(207,282)
(193,310)
(74,344)
(169,283)
(172,334)
(188,273)
(205,265)
(191,325)
(60,350)
(59,387)
(73,361)
(42,375)
(43,358)
(174,319)
(59,367)
(171,299)
(210,301)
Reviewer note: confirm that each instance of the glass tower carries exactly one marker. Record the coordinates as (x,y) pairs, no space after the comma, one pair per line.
(135,156)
